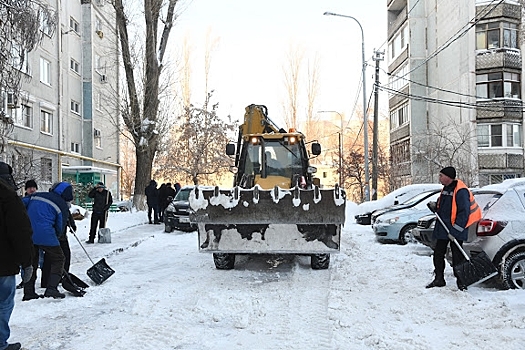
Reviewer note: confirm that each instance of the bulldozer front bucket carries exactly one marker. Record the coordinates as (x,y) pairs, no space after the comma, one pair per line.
(238,220)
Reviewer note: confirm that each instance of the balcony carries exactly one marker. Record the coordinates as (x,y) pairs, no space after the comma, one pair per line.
(497,109)
(502,160)
(498,58)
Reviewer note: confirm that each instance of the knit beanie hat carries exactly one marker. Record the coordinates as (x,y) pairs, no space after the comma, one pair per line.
(449,171)
(30,183)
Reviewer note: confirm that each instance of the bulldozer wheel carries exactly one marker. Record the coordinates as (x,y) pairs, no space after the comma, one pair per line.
(320,261)
(224,261)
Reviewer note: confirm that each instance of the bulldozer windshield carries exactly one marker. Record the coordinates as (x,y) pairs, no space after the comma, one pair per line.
(279,158)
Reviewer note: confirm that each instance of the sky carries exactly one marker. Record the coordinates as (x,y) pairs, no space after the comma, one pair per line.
(165,294)
(254,39)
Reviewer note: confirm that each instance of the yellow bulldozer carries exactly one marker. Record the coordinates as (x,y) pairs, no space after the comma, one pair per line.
(276,205)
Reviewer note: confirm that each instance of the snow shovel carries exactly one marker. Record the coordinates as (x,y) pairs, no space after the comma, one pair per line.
(472,271)
(100,271)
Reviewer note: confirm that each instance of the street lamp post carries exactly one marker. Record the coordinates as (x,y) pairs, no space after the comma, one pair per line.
(365,114)
(341,183)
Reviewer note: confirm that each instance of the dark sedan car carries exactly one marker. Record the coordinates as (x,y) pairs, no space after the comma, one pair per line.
(176,215)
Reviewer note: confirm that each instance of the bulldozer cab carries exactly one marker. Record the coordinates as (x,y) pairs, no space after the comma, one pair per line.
(271,162)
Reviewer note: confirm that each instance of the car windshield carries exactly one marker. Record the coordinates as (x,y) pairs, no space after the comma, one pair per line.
(418,197)
(183,194)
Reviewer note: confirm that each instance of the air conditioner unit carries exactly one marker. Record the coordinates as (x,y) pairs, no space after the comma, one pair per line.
(103,78)
(96,133)
(12,100)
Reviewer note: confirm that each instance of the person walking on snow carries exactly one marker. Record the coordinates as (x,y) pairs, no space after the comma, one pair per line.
(16,248)
(458,209)
(102,201)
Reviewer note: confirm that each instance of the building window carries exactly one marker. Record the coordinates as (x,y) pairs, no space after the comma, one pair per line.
(46,122)
(97,136)
(74,65)
(45,71)
(45,27)
(73,25)
(20,58)
(98,24)
(499,135)
(75,147)
(398,43)
(400,152)
(496,35)
(399,117)
(23,116)
(498,84)
(46,170)
(399,78)
(75,107)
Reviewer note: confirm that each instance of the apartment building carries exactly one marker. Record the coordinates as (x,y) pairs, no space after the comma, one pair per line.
(66,116)
(455,92)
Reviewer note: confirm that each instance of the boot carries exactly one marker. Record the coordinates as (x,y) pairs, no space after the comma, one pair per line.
(439,281)
(29,292)
(90,241)
(52,290)
(14,346)
(461,286)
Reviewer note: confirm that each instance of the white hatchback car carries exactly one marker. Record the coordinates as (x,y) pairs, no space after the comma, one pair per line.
(501,234)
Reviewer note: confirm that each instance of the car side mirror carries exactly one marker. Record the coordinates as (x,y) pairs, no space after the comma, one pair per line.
(316,148)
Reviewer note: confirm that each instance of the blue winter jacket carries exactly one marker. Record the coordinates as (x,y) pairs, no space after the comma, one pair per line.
(47,212)
(445,210)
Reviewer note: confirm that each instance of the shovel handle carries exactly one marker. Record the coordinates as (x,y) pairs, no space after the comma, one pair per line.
(452,238)
(84,249)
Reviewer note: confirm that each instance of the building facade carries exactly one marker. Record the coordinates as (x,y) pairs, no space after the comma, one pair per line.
(66,115)
(455,89)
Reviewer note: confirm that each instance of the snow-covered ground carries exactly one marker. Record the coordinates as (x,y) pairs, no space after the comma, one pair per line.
(167,295)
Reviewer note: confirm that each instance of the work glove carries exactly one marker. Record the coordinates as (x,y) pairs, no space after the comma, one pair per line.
(432,206)
(28,272)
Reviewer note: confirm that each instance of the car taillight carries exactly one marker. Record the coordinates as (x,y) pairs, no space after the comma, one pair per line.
(490,227)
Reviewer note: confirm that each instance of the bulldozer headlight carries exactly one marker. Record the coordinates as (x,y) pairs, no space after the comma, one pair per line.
(292,140)
(255,140)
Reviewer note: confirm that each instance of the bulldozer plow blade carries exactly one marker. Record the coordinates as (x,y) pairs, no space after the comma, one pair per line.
(268,221)
(276,206)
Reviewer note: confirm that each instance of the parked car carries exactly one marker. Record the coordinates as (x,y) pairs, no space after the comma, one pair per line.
(176,215)
(396,225)
(418,198)
(364,210)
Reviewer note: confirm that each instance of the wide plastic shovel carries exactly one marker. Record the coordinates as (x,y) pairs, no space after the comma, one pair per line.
(474,270)
(100,271)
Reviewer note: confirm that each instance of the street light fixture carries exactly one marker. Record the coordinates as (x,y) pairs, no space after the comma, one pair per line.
(341,183)
(365,114)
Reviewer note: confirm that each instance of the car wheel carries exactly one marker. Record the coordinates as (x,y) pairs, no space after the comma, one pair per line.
(513,271)
(168,228)
(320,261)
(405,235)
(224,261)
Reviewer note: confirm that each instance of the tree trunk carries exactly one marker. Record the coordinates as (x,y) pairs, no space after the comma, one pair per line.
(143,177)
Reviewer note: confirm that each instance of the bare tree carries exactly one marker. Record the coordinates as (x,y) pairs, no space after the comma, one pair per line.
(444,144)
(312,92)
(291,81)
(198,145)
(140,114)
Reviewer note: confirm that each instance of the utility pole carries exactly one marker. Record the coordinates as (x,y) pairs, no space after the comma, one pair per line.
(378,57)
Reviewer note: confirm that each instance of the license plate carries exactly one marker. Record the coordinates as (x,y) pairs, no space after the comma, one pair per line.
(186,220)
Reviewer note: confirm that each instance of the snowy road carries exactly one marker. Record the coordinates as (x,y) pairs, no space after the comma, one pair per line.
(167,295)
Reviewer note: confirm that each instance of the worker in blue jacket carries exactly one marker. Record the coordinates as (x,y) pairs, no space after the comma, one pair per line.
(48,212)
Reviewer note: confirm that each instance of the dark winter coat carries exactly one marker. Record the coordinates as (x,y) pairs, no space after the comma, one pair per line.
(152,194)
(102,200)
(445,211)
(16,246)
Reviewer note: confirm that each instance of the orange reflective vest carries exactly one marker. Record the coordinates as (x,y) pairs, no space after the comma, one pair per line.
(475,211)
